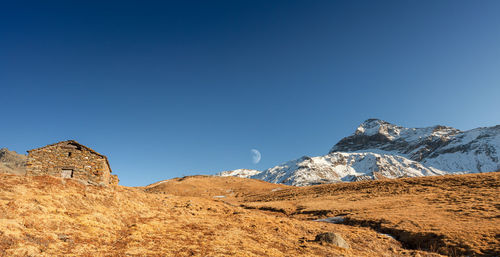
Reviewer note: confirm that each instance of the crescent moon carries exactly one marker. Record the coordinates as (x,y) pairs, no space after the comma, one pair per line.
(255,156)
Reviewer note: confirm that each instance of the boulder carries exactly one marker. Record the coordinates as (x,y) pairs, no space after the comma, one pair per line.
(332,238)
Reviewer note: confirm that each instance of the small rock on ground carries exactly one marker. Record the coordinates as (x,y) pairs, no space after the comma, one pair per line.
(332,238)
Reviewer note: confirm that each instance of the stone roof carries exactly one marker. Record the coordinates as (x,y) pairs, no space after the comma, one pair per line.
(75,142)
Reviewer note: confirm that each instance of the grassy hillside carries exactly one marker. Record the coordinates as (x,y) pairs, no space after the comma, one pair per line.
(47,216)
(214,187)
(452,215)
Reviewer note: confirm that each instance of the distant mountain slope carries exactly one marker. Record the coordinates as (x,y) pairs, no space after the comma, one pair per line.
(12,162)
(242,173)
(379,149)
(338,166)
(441,147)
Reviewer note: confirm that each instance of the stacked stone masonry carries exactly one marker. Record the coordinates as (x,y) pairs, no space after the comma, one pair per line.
(70,159)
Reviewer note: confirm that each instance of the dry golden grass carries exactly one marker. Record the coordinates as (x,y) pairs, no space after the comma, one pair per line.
(213,187)
(47,216)
(452,215)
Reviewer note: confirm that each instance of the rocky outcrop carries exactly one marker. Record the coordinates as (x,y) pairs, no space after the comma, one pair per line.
(332,238)
(12,162)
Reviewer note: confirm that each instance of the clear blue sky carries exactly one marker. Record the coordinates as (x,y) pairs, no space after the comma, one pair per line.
(172,88)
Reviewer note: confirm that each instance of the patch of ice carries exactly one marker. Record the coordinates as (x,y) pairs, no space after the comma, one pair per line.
(387,235)
(334,220)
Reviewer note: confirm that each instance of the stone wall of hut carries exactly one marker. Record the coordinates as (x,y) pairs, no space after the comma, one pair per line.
(58,159)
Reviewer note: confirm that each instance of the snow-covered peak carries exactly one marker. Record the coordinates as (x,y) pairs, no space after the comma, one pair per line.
(242,173)
(376,135)
(344,167)
(391,132)
(375,126)
(441,147)
(379,149)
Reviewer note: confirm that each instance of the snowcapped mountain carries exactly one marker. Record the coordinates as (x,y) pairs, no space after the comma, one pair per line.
(242,173)
(339,166)
(441,147)
(379,149)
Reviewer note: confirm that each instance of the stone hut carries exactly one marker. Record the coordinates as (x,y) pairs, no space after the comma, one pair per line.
(70,159)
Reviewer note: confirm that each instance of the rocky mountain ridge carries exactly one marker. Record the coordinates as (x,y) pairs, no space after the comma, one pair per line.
(12,162)
(379,149)
(441,147)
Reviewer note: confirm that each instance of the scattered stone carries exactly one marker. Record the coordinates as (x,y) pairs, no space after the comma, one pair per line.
(332,238)
(63,237)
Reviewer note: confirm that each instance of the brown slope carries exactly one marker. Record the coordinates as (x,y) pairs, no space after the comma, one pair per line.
(453,215)
(47,216)
(214,186)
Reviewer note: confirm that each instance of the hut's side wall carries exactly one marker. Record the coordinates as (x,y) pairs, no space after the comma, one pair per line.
(52,160)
